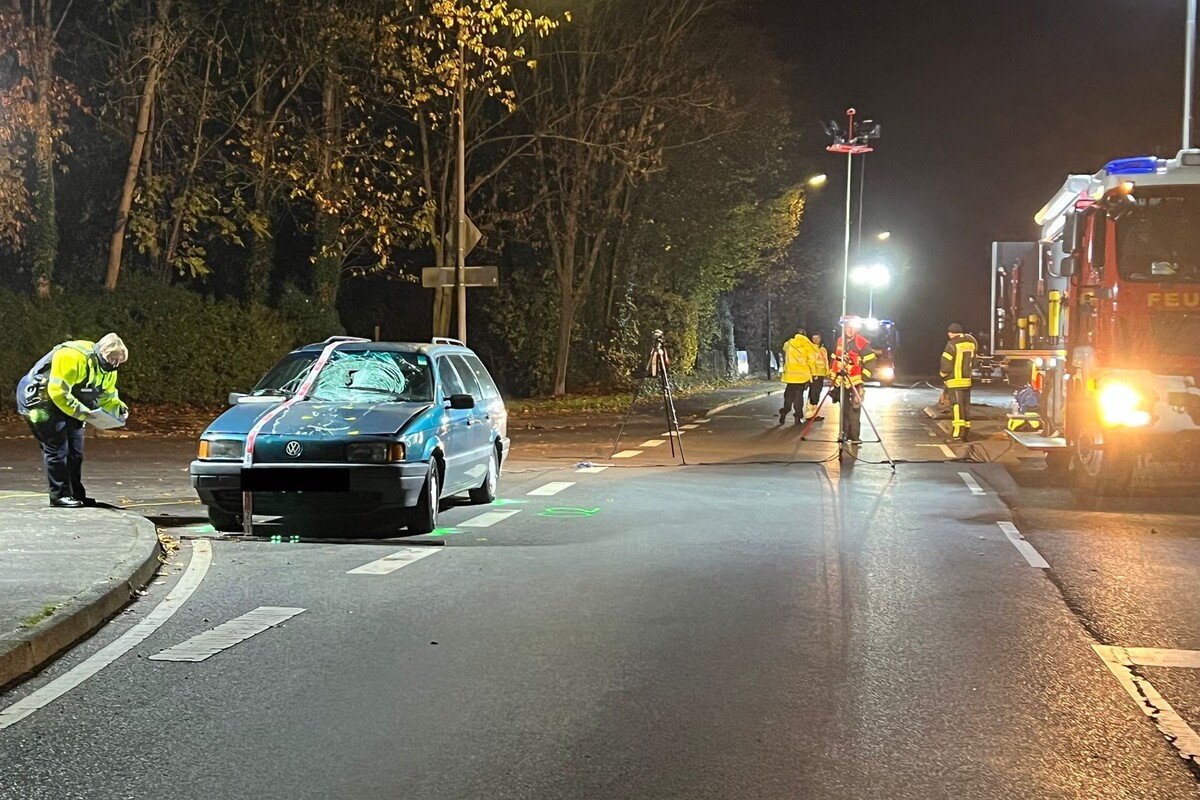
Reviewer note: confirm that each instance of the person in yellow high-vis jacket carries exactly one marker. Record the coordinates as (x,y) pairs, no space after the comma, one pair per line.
(67,384)
(958,362)
(798,356)
(820,371)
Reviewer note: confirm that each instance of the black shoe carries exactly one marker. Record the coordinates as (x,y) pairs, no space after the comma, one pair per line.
(88,502)
(66,502)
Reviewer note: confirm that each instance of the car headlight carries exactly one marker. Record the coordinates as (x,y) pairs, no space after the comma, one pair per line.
(375,452)
(221,449)
(1120,405)
(887,373)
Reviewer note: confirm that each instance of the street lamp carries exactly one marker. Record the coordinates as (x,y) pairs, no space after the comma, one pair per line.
(873,276)
(817,181)
(883,236)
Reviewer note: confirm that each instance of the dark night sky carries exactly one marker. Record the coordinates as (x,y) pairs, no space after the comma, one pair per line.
(987,105)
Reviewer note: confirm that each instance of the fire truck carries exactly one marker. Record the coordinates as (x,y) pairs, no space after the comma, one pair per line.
(1102,317)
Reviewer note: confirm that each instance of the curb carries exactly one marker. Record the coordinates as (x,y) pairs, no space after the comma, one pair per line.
(24,652)
(741,401)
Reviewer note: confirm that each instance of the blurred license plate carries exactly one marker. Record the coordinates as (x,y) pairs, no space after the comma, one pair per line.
(318,479)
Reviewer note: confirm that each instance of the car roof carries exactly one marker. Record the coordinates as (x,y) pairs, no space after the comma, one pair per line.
(353,343)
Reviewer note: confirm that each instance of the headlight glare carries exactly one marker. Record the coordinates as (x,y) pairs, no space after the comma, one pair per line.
(1120,405)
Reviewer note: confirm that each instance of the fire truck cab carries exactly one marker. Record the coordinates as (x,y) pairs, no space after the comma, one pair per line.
(1103,315)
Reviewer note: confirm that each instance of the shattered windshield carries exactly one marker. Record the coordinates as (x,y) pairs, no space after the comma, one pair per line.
(354,376)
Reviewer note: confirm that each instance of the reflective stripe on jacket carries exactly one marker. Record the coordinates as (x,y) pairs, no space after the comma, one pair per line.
(859,356)
(958,362)
(821,362)
(69,376)
(798,356)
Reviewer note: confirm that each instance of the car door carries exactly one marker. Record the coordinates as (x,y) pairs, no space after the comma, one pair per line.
(480,432)
(457,429)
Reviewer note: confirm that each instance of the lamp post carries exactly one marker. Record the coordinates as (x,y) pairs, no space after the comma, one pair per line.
(1189,69)
(815,182)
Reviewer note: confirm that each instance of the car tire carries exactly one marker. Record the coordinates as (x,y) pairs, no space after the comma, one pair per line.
(486,492)
(224,522)
(424,516)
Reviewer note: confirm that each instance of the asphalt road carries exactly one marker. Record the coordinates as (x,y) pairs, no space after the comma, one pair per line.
(769,622)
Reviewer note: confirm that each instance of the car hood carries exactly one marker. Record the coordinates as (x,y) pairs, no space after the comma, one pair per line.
(313,418)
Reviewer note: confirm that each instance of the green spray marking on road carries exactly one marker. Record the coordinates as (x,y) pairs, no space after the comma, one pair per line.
(502,501)
(569,512)
(445,532)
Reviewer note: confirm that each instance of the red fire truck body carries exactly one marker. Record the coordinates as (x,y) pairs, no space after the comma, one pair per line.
(1106,308)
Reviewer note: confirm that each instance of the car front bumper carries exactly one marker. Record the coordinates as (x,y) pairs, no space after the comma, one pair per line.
(310,488)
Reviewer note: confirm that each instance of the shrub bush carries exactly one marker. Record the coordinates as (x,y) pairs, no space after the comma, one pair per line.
(185,349)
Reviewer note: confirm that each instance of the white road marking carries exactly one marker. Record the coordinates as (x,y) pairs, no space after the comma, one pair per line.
(653,443)
(669,434)
(947,452)
(971,483)
(703,421)
(1181,735)
(389,564)
(227,634)
(488,519)
(1023,547)
(590,470)
(627,454)
(551,489)
(688,427)
(1156,657)
(197,567)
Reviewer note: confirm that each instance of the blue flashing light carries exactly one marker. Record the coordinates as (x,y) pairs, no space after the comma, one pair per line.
(1139,165)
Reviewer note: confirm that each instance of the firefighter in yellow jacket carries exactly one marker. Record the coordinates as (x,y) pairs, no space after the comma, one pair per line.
(56,397)
(958,362)
(799,356)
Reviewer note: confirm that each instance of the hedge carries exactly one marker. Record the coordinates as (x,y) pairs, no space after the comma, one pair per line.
(184,348)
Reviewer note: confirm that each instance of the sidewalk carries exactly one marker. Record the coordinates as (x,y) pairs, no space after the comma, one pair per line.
(63,573)
(693,406)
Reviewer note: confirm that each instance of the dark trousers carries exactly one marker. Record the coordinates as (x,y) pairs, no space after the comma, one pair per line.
(814,391)
(61,439)
(851,411)
(960,406)
(793,401)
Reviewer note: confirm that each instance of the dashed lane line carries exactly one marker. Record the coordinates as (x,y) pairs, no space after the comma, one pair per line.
(689,427)
(653,443)
(488,519)
(551,489)
(1023,547)
(946,451)
(389,564)
(227,634)
(590,470)
(196,570)
(627,454)
(971,483)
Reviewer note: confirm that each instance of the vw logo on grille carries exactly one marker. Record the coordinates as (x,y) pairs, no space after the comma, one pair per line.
(293,449)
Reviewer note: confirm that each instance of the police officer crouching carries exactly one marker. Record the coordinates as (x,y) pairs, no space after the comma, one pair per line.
(958,363)
(73,380)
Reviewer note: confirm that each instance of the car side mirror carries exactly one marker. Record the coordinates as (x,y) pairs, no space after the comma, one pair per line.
(236,397)
(462,402)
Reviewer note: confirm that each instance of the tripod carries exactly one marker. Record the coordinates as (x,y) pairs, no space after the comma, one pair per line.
(854,394)
(658,367)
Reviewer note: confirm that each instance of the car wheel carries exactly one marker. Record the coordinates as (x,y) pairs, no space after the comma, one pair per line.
(486,492)
(223,522)
(424,517)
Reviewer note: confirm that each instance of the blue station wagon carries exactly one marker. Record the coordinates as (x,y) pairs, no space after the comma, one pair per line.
(351,436)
